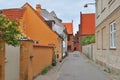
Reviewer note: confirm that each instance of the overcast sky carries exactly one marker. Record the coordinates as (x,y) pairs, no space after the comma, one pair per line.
(67,10)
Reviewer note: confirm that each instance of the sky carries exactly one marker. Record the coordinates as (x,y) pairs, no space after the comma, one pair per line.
(66,10)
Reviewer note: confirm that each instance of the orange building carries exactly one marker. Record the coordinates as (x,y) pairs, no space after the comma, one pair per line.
(34,27)
(69,28)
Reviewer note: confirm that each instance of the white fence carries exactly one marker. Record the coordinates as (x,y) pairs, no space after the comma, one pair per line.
(89,51)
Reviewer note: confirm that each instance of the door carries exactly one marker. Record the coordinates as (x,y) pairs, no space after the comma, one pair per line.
(12,55)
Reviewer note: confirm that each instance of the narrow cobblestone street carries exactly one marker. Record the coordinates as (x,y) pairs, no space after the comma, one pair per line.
(75,67)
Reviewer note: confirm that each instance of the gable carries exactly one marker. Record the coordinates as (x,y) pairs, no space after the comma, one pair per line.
(87,24)
(36,27)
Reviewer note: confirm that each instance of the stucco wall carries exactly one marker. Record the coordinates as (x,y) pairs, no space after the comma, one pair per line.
(37,29)
(88,50)
(42,58)
(12,55)
(26,50)
(2,59)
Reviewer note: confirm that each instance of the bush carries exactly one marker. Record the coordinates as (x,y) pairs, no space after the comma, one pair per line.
(54,62)
(45,70)
(88,40)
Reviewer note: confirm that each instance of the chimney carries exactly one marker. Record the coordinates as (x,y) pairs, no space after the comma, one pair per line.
(38,8)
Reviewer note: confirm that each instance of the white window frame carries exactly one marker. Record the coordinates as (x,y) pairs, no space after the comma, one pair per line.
(113,35)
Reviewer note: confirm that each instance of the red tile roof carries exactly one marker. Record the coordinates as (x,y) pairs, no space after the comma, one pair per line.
(13,14)
(69,27)
(87,24)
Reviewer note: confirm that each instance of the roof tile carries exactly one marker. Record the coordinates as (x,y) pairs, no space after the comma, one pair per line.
(87,24)
(13,14)
(69,27)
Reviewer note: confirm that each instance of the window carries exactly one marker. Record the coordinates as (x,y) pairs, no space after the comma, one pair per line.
(113,35)
(36,42)
(68,38)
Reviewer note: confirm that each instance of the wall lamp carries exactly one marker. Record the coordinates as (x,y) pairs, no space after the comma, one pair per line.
(86,5)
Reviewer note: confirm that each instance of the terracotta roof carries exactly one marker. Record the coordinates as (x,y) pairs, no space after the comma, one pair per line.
(69,27)
(13,14)
(87,24)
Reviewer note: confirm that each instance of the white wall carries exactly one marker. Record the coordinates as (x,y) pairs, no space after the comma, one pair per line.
(89,50)
(12,63)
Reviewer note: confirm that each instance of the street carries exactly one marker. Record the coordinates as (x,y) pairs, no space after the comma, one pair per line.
(74,67)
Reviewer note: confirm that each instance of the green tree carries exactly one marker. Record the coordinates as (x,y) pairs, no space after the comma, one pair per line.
(9,31)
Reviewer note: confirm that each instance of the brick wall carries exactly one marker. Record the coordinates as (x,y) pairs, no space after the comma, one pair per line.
(2,60)
(70,43)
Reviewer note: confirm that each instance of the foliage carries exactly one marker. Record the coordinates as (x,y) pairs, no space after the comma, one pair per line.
(88,39)
(107,70)
(9,31)
(54,62)
(45,70)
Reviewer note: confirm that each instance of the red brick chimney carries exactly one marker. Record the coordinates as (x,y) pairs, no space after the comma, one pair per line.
(38,8)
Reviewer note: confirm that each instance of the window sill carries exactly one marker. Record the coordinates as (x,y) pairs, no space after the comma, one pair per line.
(104,49)
(98,49)
(112,48)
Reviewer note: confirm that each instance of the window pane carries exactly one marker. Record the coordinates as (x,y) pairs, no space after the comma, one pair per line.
(113,35)
(110,28)
(114,39)
(114,26)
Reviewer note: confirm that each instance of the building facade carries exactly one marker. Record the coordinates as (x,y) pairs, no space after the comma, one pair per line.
(108,34)
(56,25)
(37,48)
(86,27)
(70,38)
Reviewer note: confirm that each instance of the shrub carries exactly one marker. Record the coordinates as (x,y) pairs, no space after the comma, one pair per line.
(54,62)
(88,40)
(45,70)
